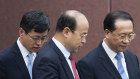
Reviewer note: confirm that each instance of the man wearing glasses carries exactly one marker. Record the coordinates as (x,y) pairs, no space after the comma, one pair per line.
(111,59)
(54,60)
(17,60)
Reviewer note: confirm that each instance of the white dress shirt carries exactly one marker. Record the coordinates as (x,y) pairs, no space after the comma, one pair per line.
(65,52)
(112,55)
(24,52)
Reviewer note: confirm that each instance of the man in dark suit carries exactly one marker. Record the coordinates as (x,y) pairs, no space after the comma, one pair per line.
(54,60)
(111,59)
(16,61)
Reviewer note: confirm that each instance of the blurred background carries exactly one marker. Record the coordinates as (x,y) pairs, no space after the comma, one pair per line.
(11,12)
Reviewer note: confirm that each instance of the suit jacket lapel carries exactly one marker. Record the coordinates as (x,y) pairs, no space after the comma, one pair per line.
(63,61)
(107,63)
(129,64)
(20,61)
(67,68)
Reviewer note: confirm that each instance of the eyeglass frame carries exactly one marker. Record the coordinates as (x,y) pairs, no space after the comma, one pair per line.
(129,36)
(83,36)
(39,38)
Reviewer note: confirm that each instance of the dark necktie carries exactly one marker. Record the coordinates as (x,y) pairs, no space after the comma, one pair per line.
(73,67)
(120,67)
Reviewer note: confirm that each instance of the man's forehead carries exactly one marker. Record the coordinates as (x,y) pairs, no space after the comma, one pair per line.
(121,22)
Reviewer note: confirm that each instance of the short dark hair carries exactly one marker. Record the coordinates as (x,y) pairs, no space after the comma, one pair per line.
(66,21)
(36,20)
(109,21)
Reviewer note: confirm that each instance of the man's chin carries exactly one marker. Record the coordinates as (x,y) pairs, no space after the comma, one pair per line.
(122,50)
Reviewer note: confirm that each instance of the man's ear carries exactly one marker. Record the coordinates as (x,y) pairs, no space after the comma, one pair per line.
(67,32)
(21,32)
(107,33)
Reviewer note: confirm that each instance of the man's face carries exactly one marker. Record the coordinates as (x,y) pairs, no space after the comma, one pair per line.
(33,41)
(121,37)
(78,37)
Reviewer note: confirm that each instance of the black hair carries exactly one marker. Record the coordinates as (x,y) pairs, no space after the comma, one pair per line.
(36,20)
(66,21)
(109,21)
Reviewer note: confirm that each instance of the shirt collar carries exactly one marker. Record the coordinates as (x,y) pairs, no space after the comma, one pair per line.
(23,50)
(109,51)
(62,48)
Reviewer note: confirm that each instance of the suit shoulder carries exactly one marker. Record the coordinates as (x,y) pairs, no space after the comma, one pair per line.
(7,53)
(91,56)
(48,53)
(127,52)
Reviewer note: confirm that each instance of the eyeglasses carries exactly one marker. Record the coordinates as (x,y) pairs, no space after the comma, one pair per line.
(37,38)
(130,36)
(83,36)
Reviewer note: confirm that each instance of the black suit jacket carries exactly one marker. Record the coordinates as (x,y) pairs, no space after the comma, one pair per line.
(12,65)
(98,65)
(50,63)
